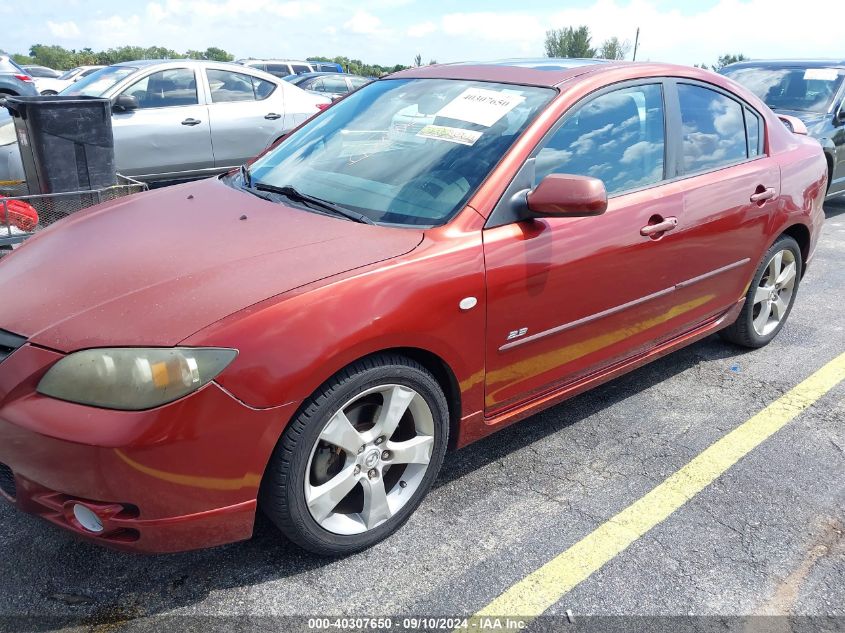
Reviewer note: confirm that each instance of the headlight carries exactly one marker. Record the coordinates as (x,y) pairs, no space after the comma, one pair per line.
(133,379)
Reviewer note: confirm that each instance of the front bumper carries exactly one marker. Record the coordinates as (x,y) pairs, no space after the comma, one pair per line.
(179,477)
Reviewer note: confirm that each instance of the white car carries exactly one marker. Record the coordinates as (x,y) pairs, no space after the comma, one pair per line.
(47,86)
(185,118)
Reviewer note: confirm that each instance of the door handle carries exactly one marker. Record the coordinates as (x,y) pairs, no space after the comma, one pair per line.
(762,194)
(272,116)
(191,122)
(653,230)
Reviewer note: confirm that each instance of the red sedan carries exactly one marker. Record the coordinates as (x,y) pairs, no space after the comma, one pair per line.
(440,254)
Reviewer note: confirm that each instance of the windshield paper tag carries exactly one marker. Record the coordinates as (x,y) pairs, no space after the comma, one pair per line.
(480,106)
(451,134)
(824,74)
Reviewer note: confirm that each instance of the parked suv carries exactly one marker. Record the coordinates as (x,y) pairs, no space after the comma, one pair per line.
(14,80)
(282,67)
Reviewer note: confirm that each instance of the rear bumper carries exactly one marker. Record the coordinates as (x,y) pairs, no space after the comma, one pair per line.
(183,476)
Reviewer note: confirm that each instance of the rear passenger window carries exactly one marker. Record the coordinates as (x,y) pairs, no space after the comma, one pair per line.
(298,69)
(713,129)
(617,137)
(752,126)
(229,86)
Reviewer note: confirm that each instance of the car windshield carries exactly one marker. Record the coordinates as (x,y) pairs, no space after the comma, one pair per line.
(400,151)
(790,88)
(98,83)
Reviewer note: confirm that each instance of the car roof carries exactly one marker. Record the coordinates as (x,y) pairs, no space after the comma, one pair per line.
(545,72)
(792,63)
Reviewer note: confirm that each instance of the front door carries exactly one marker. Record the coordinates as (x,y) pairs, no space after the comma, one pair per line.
(169,133)
(567,296)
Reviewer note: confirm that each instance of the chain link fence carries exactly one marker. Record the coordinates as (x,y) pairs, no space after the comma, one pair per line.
(22,215)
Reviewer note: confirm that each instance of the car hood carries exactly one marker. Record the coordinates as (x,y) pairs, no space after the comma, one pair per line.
(154,268)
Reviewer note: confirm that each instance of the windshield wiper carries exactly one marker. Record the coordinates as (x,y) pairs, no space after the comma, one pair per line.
(297,196)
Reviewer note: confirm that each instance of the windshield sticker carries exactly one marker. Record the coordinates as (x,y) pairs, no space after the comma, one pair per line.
(451,134)
(824,74)
(480,106)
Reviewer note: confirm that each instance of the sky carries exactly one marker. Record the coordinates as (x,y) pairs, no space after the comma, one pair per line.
(388,32)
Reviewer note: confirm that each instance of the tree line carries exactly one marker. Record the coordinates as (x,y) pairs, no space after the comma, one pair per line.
(61,58)
(577,42)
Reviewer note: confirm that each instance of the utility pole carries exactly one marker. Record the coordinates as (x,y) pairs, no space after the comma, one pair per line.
(636,42)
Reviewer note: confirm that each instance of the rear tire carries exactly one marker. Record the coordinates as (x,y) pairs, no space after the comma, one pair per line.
(770,296)
(355,463)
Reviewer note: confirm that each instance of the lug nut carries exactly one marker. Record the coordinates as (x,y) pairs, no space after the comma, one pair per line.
(373,473)
(357,469)
(379,439)
(403,484)
(385,454)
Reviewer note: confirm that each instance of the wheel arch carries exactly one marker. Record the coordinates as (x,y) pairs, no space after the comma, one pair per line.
(801,234)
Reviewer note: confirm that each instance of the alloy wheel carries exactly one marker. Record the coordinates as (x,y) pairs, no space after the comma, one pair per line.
(774,292)
(369,459)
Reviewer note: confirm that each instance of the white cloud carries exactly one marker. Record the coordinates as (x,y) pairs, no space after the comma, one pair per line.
(364,23)
(64,30)
(422,29)
(391,31)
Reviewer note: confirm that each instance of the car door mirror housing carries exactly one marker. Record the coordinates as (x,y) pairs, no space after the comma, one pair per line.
(566,195)
(125,103)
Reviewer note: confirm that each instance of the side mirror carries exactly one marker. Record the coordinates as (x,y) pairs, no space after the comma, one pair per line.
(125,103)
(793,124)
(565,195)
(839,117)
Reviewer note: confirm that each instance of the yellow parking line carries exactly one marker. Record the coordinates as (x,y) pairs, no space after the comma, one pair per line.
(535,593)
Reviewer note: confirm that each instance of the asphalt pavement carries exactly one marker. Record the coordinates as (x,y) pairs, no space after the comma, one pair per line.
(765,539)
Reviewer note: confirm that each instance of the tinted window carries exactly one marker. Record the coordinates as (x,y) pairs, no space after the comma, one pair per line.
(752,125)
(166,88)
(263,89)
(279,70)
(617,137)
(335,84)
(299,69)
(37,71)
(713,129)
(315,83)
(228,86)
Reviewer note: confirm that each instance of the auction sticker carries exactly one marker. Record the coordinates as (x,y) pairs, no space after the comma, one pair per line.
(480,106)
(451,134)
(824,74)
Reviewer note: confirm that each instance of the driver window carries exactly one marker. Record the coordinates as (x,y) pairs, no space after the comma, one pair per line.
(617,137)
(166,88)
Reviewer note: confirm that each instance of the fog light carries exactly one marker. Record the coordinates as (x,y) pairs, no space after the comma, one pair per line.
(86,518)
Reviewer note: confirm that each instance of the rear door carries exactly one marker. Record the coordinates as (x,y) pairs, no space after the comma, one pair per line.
(169,132)
(246,112)
(730,191)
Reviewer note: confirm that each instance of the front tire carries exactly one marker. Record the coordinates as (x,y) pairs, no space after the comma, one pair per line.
(358,459)
(770,297)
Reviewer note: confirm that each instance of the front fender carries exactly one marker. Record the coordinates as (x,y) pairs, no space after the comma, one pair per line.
(290,345)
